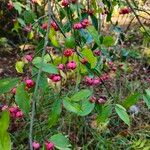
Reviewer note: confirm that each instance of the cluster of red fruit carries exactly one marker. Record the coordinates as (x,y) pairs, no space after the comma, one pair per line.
(81,25)
(44,26)
(112,66)
(48,145)
(71,65)
(124,11)
(66,3)
(15,112)
(92,81)
(101,100)
(53,25)
(96,81)
(10,5)
(29,84)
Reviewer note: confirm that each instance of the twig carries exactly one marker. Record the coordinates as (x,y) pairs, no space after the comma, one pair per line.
(129,24)
(137,17)
(139,9)
(38,79)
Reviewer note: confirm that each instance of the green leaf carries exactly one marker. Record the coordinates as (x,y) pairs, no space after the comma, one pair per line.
(19,66)
(104,114)
(7,84)
(108,41)
(30,35)
(146,99)
(60,142)
(29,17)
(46,67)
(131,100)
(55,113)
(22,99)
(70,42)
(94,21)
(71,106)
(121,111)
(82,108)
(5,141)
(49,68)
(88,54)
(21,21)
(148,92)
(4,121)
(18,6)
(47,58)
(82,94)
(52,37)
(43,83)
(94,34)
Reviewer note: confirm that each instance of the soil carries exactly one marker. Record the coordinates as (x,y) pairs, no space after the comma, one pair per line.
(7,64)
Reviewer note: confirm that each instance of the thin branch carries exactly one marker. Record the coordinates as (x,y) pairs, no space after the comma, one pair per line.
(143,10)
(38,79)
(129,25)
(137,17)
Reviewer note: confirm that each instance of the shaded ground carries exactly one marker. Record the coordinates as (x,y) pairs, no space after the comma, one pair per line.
(7,64)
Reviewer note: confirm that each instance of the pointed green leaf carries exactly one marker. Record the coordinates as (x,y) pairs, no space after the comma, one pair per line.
(121,111)
(146,99)
(22,99)
(131,100)
(108,41)
(46,67)
(82,94)
(7,84)
(55,113)
(88,54)
(19,66)
(5,141)
(4,121)
(81,108)
(104,114)
(60,142)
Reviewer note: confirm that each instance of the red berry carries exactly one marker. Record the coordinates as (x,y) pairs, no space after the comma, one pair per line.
(28,28)
(96,81)
(90,12)
(85,23)
(29,58)
(97,52)
(68,52)
(77,26)
(61,66)
(65,3)
(89,80)
(101,101)
(36,145)
(55,77)
(73,1)
(71,65)
(19,114)
(10,5)
(13,91)
(92,99)
(49,145)
(44,26)
(29,83)
(84,61)
(54,26)
(34,1)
